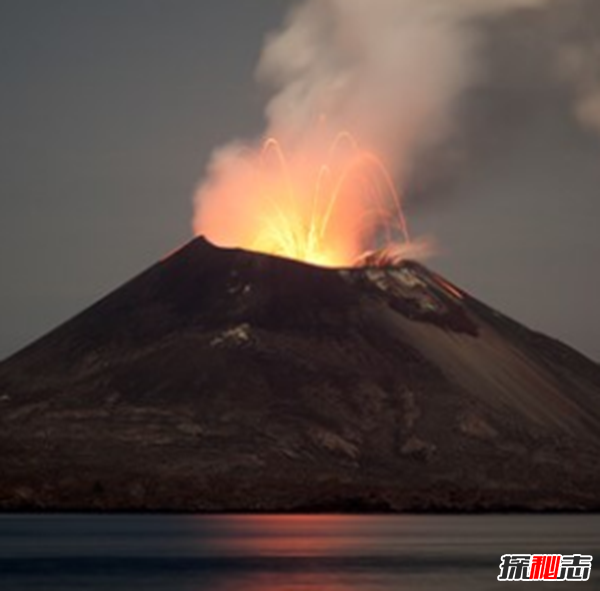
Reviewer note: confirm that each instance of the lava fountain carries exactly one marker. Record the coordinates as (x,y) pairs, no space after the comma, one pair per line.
(330,207)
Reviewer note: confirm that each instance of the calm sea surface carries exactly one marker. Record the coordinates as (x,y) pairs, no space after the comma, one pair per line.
(277,553)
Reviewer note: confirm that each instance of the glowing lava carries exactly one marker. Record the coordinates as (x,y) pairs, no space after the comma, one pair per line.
(326,207)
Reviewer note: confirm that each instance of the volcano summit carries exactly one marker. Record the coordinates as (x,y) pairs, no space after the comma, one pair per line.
(224,380)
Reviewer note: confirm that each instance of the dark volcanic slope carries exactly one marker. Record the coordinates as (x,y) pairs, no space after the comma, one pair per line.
(226,380)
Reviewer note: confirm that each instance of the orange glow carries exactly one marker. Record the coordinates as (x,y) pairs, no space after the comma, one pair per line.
(449,288)
(326,207)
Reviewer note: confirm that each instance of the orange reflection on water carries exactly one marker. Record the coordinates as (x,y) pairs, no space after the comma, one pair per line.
(287,535)
(297,546)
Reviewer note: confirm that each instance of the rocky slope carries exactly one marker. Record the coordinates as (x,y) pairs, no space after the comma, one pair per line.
(227,380)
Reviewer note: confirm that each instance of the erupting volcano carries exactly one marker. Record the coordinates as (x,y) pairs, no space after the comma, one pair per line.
(294,356)
(330,209)
(233,380)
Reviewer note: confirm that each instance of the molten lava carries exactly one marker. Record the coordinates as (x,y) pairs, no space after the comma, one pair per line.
(331,208)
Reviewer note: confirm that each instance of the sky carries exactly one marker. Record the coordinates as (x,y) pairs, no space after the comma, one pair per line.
(109,112)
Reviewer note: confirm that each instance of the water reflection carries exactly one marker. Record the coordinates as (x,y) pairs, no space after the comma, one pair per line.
(277,535)
(265,553)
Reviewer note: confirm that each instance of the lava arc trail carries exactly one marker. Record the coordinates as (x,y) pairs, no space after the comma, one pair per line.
(326,207)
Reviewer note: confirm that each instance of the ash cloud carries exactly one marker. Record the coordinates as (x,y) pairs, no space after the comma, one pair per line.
(579,60)
(537,96)
(392,72)
(437,87)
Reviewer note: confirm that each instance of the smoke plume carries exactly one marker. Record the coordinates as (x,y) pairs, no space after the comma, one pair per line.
(391,72)
(579,67)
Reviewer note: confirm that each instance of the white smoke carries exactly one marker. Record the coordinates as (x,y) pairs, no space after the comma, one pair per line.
(392,72)
(579,64)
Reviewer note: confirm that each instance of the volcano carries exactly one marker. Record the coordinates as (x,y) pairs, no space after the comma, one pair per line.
(225,380)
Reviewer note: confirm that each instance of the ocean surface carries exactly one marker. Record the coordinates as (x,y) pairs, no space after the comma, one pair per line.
(278,553)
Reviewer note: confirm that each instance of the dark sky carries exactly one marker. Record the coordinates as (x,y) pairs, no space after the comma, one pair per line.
(109,111)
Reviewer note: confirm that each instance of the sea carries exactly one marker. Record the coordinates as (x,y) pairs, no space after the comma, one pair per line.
(283,552)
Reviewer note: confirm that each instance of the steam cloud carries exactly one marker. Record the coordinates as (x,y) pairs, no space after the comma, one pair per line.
(392,72)
(579,65)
